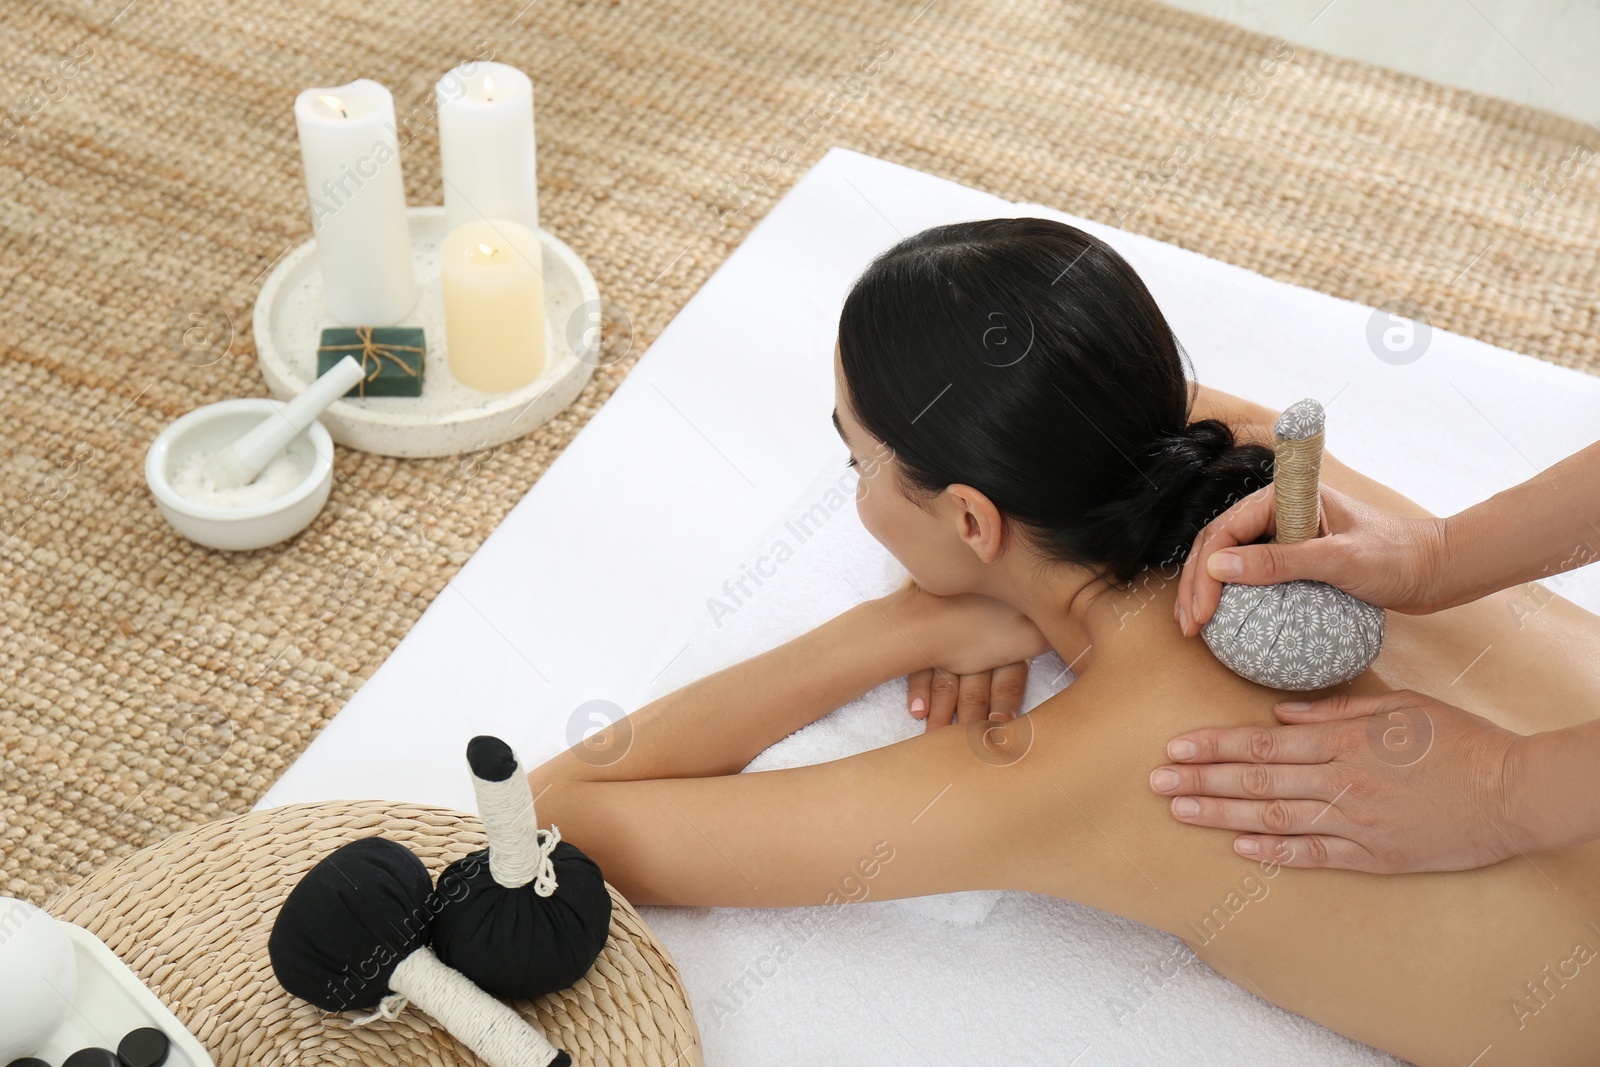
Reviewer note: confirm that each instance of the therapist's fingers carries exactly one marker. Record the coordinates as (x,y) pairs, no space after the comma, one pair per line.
(1345,706)
(1006,689)
(1318,742)
(919,690)
(1311,850)
(1198,591)
(1276,817)
(1249,781)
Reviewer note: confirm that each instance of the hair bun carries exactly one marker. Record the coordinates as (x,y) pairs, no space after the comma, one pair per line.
(1188,479)
(1210,437)
(1175,460)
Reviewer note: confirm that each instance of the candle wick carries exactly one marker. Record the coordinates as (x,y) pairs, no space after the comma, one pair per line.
(343,113)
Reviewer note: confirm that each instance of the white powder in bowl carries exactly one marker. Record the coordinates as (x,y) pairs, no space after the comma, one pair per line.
(287,470)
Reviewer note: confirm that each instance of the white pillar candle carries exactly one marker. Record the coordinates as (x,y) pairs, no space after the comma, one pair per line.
(492,271)
(486,145)
(358,202)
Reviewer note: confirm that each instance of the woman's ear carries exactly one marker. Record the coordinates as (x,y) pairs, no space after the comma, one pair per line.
(978,522)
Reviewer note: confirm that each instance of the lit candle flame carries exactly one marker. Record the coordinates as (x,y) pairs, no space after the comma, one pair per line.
(333,102)
(488,87)
(486,250)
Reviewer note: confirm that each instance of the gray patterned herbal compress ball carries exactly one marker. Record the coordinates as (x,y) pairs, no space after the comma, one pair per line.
(1298,635)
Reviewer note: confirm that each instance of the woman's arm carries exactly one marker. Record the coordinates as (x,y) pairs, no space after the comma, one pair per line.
(672,821)
(924,815)
(719,723)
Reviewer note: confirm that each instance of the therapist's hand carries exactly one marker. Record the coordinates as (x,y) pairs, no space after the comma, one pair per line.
(1387,560)
(1387,784)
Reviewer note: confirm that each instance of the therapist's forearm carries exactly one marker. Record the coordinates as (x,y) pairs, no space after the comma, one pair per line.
(718,724)
(1546,525)
(1554,792)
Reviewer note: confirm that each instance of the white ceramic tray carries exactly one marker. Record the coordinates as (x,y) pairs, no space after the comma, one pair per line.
(111,1001)
(448,418)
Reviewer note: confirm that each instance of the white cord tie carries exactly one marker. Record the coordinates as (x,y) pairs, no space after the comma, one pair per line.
(519,852)
(544,883)
(389,1009)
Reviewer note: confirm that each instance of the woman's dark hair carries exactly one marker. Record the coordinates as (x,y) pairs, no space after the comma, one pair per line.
(1025,358)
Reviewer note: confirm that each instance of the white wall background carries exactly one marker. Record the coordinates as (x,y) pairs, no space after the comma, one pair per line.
(1540,52)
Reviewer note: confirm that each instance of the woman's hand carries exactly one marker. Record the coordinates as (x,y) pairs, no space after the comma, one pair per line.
(939,697)
(977,649)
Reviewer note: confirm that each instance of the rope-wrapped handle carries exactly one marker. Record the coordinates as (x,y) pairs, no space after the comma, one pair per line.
(485,1025)
(519,852)
(1297,472)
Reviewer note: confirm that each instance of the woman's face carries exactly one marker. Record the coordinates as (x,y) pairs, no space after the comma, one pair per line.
(926,544)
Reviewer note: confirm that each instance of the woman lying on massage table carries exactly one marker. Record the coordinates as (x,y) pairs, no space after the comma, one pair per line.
(1031,451)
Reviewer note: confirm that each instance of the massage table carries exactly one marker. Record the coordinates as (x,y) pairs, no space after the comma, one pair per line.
(600,591)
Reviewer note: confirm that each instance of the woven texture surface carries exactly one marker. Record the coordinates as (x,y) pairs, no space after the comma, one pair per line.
(192,914)
(149,172)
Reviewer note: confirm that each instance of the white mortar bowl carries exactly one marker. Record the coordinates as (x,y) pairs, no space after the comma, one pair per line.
(209,428)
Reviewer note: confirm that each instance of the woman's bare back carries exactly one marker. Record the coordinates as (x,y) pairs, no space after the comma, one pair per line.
(1497,965)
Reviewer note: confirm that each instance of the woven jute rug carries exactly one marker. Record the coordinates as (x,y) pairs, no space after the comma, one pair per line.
(150,177)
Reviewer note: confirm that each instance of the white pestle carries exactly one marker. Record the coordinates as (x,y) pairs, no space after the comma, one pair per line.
(239,463)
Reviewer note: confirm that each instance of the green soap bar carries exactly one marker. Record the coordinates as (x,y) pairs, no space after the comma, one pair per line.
(396,353)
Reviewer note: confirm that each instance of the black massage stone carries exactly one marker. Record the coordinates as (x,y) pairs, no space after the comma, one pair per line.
(93,1057)
(28,1061)
(144,1047)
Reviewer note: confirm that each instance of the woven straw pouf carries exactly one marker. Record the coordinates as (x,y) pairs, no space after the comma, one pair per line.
(191,916)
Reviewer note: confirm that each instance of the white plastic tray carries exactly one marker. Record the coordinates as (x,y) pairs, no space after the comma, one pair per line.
(111,1001)
(448,418)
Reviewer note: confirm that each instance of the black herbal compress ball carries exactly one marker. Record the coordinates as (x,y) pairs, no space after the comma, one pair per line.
(357,926)
(349,922)
(494,924)
(513,942)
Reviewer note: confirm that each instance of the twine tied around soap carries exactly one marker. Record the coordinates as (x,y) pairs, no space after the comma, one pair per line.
(374,351)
